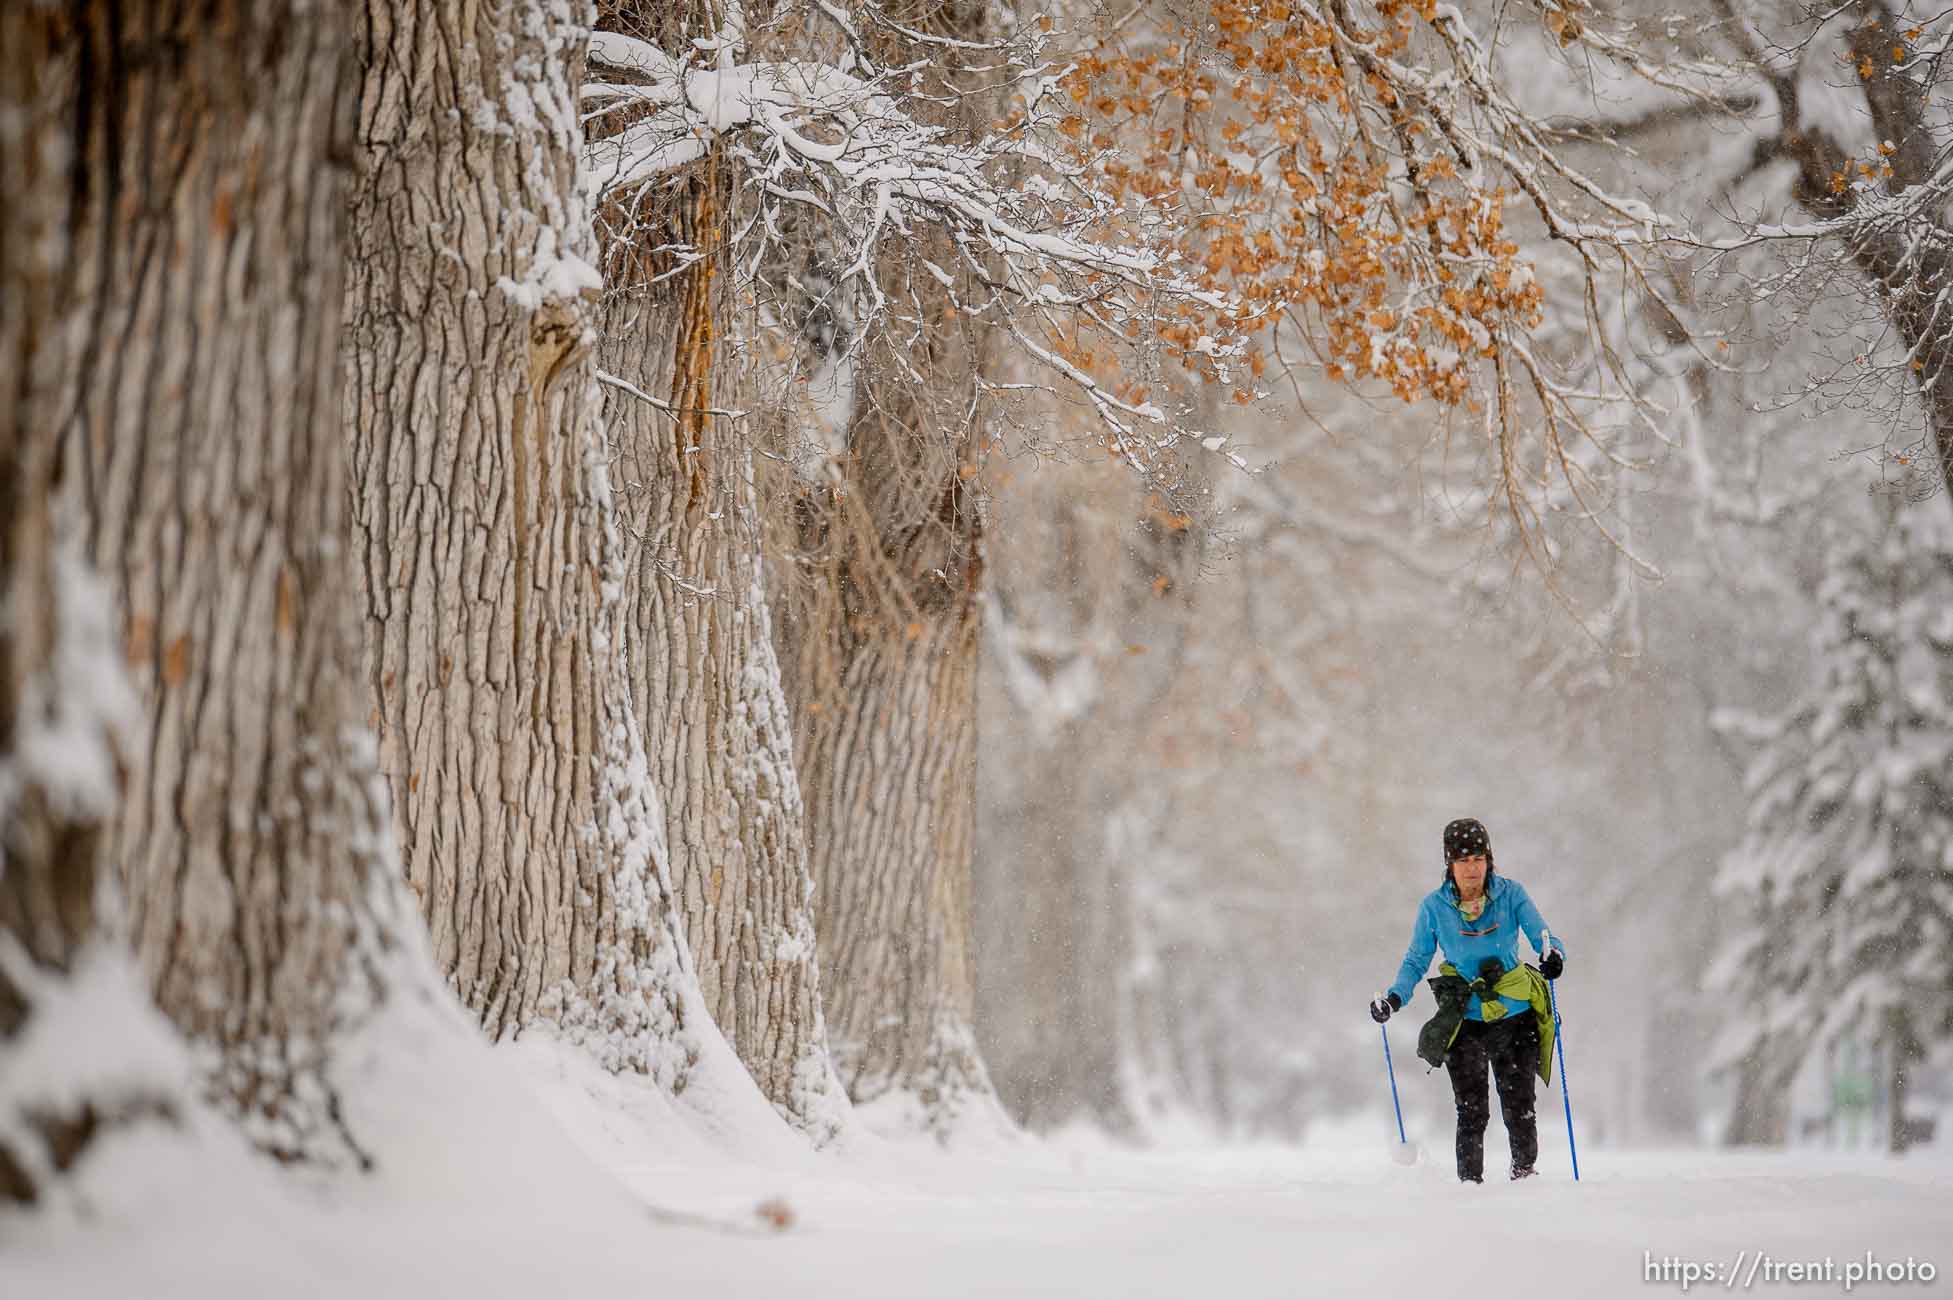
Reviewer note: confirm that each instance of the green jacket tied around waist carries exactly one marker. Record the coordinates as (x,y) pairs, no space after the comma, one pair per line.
(1454,994)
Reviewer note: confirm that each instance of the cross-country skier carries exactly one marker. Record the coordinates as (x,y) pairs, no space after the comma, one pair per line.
(1491,1008)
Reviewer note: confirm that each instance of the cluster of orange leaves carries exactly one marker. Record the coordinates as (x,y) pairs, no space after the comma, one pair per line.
(1875,169)
(1865,69)
(1248,139)
(1879,168)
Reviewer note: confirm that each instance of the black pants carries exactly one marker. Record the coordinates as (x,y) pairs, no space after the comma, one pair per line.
(1511,1046)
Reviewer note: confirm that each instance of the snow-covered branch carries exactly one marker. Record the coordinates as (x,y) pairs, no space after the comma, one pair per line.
(1043,247)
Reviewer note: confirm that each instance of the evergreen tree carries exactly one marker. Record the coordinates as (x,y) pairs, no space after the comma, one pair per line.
(1845,872)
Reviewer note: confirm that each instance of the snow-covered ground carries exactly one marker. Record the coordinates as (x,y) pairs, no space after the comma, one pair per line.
(548,1178)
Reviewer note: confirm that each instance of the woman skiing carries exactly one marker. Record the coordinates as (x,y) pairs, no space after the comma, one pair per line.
(1491,1009)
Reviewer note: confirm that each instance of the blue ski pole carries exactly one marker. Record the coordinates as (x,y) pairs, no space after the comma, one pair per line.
(1391,1070)
(1559,1044)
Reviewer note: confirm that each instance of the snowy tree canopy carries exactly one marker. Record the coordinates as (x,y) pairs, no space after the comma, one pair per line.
(1044,250)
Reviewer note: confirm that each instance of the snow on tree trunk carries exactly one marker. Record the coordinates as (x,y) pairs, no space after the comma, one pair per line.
(59,721)
(486,532)
(52,843)
(205,451)
(66,714)
(881,635)
(703,672)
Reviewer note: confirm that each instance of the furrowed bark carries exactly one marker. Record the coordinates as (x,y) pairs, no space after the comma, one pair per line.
(47,894)
(882,639)
(486,533)
(889,747)
(703,671)
(52,831)
(208,142)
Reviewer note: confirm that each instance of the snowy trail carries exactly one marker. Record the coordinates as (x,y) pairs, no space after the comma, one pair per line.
(559,1199)
(1238,1224)
(1301,1223)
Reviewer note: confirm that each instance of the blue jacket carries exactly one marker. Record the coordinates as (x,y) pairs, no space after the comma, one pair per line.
(1508,912)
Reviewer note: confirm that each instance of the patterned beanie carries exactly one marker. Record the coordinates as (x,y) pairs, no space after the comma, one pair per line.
(1466,838)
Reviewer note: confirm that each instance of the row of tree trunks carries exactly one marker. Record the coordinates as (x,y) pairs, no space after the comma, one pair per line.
(187,345)
(486,533)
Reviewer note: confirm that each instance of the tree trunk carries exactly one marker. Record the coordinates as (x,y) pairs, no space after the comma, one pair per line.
(890,752)
(487,534)
(882,652)
(1052,929)
(1088,631)
(1761,1115)
(207,139)
(703,672)
(53,815)
(1905,1054)
(1910,265)
(52,843)
(881,644)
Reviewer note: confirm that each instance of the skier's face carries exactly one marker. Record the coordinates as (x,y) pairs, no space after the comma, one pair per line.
(1470,874)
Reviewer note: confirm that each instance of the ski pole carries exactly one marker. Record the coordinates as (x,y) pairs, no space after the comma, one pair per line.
(1391,1070)
(1559,1040)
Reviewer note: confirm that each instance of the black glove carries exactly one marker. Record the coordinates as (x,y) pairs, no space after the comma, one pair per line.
(1552,964)
(1380,1009)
